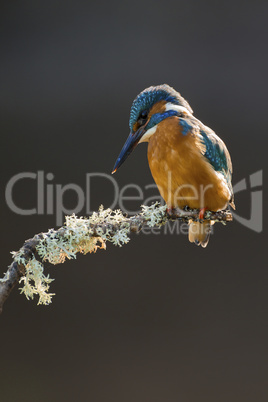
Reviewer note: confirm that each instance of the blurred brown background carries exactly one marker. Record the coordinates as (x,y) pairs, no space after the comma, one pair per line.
(160,319)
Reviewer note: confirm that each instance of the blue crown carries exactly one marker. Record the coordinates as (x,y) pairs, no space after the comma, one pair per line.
(147,98)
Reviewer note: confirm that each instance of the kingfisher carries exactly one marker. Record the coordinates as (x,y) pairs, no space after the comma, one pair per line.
(190,164)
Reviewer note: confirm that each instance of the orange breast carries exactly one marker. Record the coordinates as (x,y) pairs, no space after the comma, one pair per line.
(181,172)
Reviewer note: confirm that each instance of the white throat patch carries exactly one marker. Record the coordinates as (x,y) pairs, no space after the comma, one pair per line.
(148,134)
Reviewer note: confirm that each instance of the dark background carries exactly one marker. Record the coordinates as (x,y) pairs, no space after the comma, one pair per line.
(159,319)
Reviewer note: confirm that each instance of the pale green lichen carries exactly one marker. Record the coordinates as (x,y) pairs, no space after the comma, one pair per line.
(35,282)
(75,237)
(18,256)
(154,214)
(78,235)
(111,219)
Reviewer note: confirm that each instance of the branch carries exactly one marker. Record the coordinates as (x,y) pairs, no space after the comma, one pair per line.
(84,235)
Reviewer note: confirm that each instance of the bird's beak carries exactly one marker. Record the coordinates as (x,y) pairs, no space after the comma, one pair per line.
(129,146)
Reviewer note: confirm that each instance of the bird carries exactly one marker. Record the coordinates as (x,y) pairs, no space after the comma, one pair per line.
(190,164)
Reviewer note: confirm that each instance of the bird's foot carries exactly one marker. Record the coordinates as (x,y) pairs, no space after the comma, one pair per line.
(170,211)
(202,213)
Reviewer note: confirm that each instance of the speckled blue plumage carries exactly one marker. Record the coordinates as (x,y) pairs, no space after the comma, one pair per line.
(212,147)
(185,126)
(147,98)
(158,117)
(217,154)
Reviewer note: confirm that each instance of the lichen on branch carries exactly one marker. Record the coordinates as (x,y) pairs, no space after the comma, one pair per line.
(84,235)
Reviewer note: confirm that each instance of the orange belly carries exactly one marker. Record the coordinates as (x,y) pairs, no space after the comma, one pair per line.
(181,172)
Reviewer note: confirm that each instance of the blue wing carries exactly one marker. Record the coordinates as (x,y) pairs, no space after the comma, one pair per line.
(212,147)
(216,152)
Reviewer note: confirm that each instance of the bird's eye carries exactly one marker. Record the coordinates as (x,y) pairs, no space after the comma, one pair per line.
(144,114)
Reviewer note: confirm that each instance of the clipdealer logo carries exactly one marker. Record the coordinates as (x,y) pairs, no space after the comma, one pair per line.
(50,196)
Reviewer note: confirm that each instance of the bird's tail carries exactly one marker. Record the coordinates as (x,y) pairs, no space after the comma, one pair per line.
(199,232)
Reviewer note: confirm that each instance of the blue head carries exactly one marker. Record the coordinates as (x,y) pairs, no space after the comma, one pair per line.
(151,96)
(149,108)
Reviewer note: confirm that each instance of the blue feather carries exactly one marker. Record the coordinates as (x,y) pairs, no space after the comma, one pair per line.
(211,146)
(186,127)
(217,154)
(157,117)
(147,98)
